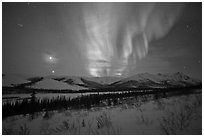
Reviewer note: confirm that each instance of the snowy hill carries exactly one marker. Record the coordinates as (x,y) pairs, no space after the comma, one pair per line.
(144,80)
(104,80)
(73,80)
(160,80)
(55,85)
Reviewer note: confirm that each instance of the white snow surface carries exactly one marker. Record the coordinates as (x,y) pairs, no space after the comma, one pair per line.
(56,85)
(134,118)
(144,77)
(104,80)
(172,78)
(74,82)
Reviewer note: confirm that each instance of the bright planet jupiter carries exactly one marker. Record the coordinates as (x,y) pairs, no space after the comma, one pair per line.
(102,39)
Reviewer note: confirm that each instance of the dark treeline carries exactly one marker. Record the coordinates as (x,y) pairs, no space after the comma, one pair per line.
(32,105)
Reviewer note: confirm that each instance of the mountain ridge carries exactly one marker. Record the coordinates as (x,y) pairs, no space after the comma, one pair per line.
(74,83)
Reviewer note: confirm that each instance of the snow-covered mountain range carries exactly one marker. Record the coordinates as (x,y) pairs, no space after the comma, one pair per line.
(143,80)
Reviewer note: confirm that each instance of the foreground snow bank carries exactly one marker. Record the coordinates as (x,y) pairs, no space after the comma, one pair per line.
(175,115)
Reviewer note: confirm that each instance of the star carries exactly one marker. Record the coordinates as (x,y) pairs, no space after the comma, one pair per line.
(50,58)
(53,71)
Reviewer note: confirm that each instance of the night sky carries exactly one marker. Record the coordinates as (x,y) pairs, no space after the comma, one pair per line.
(101,39)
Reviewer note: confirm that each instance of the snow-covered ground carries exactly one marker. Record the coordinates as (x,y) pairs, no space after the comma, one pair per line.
(174,79)
(80,83)
(55,85)
(104,80)
(174,115)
